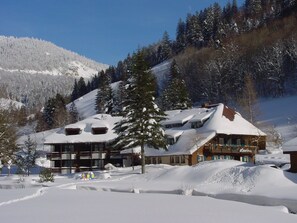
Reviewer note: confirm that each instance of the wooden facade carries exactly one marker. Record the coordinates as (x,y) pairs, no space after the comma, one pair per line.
(77,157)
(230,147)
(293,160)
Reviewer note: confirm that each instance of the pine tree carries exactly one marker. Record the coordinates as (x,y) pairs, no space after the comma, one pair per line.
(82,87)
(7,139)
(141,120)
(73,113)
(104,95)
(194,36)
(175,95)
(27,156)
(180,43)
(164,49)
(75,92)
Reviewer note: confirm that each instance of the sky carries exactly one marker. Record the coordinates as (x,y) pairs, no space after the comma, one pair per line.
(103,30)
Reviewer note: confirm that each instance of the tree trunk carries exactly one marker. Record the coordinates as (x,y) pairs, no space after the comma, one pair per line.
(142,159)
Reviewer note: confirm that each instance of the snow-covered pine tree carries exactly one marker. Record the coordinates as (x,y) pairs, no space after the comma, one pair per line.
(175,95)
(165,48)
(194,35)
(75,93)
(180,42)
(104,95)
(73,113)
(27,156)
(7,139)
(140,125)
(82,87)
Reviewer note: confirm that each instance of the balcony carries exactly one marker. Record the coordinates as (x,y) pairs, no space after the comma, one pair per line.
(54,156)
(230,149)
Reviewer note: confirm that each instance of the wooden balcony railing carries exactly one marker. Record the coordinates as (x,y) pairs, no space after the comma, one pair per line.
(230,149)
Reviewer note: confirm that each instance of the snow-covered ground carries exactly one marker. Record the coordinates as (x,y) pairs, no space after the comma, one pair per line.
(207,192)
(203,193)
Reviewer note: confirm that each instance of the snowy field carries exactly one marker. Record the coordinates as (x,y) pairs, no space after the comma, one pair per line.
(214,191)
(203,193)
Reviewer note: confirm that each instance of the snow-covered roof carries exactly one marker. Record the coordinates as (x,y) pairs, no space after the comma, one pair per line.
(227,121)
(290,146)
(86,134)
(217,120)
(173,133)
(189,115)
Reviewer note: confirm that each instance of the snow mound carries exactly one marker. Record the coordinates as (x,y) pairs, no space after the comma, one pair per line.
(241,178)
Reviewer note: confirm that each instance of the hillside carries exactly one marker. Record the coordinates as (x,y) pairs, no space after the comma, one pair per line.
(33,70)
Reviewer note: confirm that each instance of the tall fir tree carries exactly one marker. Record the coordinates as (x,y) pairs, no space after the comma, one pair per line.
(82,87)
(104,95)
(73,113)
(175,95)
(27,156)
(194,35)
(141,119)
(7,139)
(165,48)
(180,42)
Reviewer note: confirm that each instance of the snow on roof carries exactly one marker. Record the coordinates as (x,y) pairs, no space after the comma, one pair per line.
(78,125)
(226,121)
(183,116)
(222,120)
(186,144)
(86,134)
(203,115)
(173,133)
(290,146)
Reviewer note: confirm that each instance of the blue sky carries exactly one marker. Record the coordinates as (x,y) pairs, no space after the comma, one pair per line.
(103,30)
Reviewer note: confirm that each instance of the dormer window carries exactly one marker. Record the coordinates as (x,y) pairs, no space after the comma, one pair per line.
(170,140)
(196,125)
(72,131)
(174,125)
(99,131)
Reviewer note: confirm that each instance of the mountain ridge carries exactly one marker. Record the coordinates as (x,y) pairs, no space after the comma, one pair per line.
(33,70)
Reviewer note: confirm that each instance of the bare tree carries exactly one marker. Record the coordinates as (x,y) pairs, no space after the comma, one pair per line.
(249,99)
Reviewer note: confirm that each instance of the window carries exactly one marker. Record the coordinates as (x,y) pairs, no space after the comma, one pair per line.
(67,148)
(73,131)
(170,141)
(183,159)
(200,158)
(221,141)
(195,125)
(215,157)
(177,159)
(154,160)
(171,159)
(99,131)
(245,159)
(159,159)
(238,142)
(98,147)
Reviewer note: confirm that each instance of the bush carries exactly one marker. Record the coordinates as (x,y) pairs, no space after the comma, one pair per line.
(46,176)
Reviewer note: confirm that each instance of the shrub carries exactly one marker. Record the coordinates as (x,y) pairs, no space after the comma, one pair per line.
(46,175)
